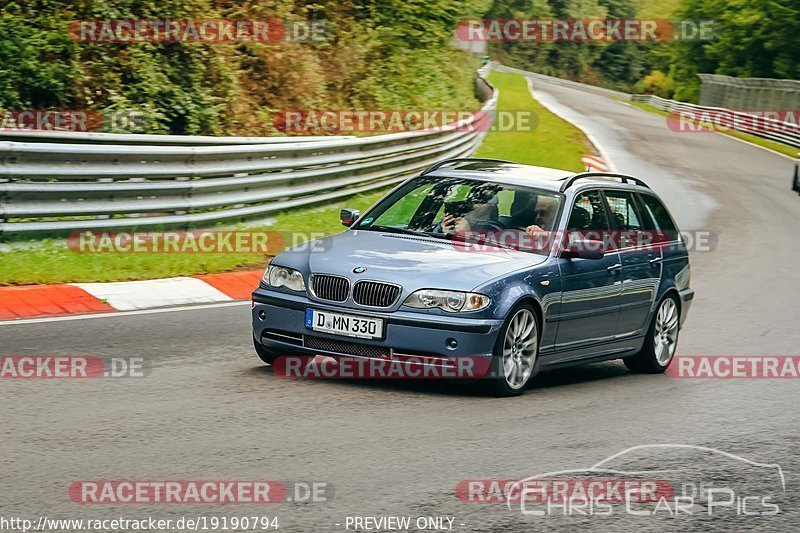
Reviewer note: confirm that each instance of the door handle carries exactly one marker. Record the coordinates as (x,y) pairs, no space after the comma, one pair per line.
(655,261)
(615,268)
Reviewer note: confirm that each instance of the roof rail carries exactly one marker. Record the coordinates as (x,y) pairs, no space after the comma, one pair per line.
(624,177)
(440,164)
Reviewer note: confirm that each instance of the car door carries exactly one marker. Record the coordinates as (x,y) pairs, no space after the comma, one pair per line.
(674,256)
(590,287)
(641,262)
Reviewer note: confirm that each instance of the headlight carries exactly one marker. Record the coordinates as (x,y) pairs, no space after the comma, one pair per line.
(290,278)
(453,301)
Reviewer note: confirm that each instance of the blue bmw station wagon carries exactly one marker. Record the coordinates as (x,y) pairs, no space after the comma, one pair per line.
(529,268)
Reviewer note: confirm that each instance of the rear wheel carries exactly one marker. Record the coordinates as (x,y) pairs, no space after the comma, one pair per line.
(516,353)
(661,340)
(263,354)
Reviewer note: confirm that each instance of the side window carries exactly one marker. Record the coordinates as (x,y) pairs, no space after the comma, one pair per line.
(623,209)
(662,222)
(627,219)
(588,218)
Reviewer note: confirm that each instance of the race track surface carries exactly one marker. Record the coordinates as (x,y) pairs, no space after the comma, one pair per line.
(209,410)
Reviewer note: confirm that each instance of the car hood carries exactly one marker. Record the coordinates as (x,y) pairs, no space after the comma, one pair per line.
(411,261)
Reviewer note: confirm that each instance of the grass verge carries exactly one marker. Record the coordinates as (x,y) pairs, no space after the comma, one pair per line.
(552,143)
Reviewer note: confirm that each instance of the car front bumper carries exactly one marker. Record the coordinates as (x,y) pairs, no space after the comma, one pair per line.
(279,326)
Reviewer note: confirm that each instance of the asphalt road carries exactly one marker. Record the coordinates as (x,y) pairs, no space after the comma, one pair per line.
(209,410)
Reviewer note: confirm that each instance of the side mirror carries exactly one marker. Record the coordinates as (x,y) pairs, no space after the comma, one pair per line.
(585,249)
(348,216)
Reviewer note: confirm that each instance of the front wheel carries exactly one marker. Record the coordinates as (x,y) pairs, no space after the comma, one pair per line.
(660,342)
(516,354)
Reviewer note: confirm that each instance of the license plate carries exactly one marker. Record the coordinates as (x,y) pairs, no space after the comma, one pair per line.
(347,325)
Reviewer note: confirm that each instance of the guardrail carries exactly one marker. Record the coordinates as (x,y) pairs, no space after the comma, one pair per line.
(57,187)
(760,126)
(566,83)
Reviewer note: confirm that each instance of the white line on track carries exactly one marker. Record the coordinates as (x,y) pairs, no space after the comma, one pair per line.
(592,139)
(38,320)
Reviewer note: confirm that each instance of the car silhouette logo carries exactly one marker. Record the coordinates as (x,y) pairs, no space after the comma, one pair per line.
(359,270)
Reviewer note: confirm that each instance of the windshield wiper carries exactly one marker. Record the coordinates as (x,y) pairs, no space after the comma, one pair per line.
(392,229)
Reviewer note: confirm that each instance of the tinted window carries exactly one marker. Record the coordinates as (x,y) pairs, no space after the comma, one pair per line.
(588,213)
(629,222)
(588,219)
(661,221)
(623,210)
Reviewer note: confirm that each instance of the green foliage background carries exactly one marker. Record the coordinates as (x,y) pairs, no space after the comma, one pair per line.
(753,38)
(390,54)
(381,53)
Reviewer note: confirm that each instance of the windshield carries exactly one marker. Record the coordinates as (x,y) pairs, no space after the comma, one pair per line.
(458,207)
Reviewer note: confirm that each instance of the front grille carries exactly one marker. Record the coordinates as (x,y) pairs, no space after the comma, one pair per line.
(333,288)
(375,294)
(345,348)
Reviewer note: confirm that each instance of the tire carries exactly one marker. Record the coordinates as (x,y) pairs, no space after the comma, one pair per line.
(263,354)
(661,340)
(796,180)
(516,353)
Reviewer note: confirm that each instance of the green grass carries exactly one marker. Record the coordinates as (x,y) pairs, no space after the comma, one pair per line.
(785,149)
(553,142)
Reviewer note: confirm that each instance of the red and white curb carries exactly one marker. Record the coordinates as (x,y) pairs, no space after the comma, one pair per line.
(83,298)
(592,162)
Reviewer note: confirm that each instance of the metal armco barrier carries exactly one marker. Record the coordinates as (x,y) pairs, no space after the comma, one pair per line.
(767,128)
(72,184)
(565,83)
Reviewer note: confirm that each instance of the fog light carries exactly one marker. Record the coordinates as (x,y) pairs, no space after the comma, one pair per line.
(451,343)
(262,315)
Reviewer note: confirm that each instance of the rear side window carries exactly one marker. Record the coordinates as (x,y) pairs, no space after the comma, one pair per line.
(628,220)
(661,221)
(623,210)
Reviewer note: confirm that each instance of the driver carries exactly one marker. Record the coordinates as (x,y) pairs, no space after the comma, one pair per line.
(482,217)
(545,212)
